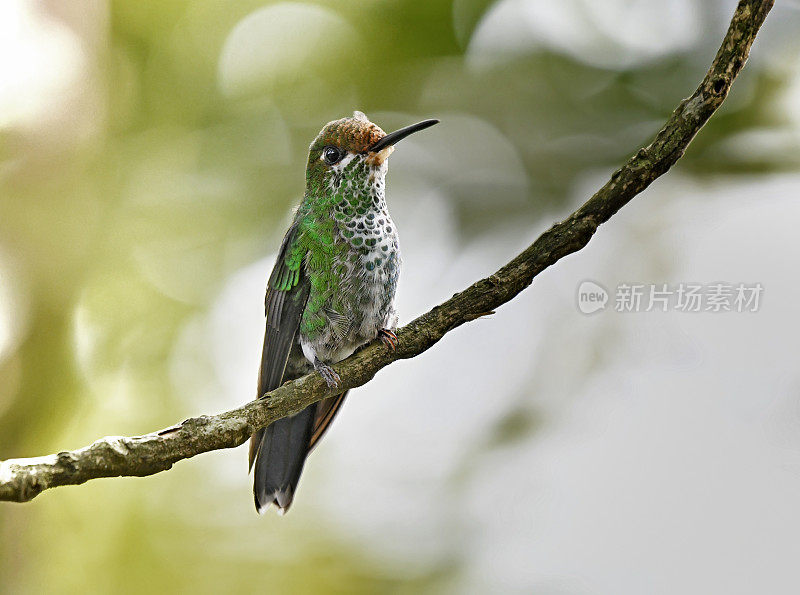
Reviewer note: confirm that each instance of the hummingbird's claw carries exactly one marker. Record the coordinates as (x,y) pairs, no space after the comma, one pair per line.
(329,375)
(388,338)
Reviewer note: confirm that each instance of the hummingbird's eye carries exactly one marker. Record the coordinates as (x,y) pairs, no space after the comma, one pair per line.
(331,155)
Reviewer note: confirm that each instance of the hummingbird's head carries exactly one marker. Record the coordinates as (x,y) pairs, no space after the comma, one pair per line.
(350,149)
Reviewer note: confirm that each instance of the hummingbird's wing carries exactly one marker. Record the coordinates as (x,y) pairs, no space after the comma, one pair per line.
(287,293)
(326,411)
(278,452)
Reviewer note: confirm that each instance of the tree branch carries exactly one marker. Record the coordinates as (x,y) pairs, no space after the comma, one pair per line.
(23,479)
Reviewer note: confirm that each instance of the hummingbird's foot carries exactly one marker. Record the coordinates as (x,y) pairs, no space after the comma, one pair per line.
(328,374)
(388,338)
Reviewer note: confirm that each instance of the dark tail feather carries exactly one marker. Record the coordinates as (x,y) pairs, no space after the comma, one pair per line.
(280,457)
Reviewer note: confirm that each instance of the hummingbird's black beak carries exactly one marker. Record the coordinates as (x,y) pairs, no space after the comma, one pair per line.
(398,135)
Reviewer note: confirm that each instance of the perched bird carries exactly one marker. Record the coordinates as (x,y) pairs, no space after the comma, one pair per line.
(331,291)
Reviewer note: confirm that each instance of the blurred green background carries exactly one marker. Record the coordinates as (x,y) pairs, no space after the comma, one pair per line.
(150,152)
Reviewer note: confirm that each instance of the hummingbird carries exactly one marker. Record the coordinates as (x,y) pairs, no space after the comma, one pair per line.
(331,291)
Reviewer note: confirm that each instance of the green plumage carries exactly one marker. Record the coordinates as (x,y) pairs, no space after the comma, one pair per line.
(325,245)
